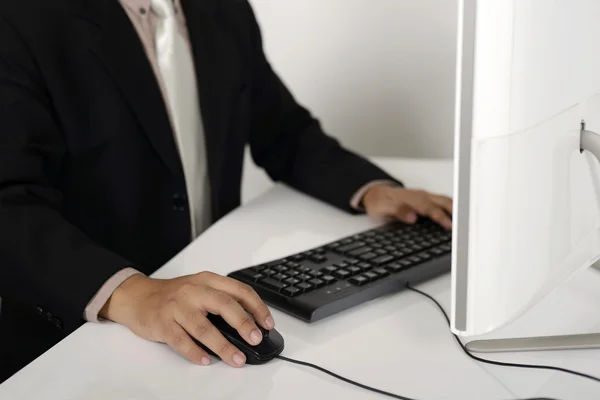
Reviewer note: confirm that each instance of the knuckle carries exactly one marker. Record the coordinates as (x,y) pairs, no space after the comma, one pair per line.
(262,310)
(177,340)
(192,353)
(245,289)
(185,289)
(205,275)
(225,299)
(202,330)
(246,321)
(225,347)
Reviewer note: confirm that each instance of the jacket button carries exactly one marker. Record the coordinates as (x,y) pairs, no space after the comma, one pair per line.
(40,311)
(179,202)
(58,324)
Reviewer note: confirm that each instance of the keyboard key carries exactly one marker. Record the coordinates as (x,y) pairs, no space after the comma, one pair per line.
(381,271)
(293,273)
(394,267)
(354,269)
(399,254)
(316,273)
(317,283)
(309,253)
(297,258)
(333,246)
(446,247)
(272,264)
(370,233)
(291,291)
(304,277)
(251,276)
(306,287)
(368,256)
(273,284)
(304,269)
(360,251)
(437,252)
(370,240)
(293,281)
(383,260)
(268,272)
(359,280)
(350,246)
(406,263)
(342,265)
(320,250)
(371,276)
(280,268)
(426,244)
(341,273)
(414,259)
(280,277)
(346,241)
(328,279)
(386,242)
(377,245)
(364,266)
(318,258)
(330,268)
(381,251)
(390,248)
(352,261)
(292,264)
(424,256)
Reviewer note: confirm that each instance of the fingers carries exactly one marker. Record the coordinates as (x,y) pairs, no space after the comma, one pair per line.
(178,339)
(444,202)
(441,217)
(220,303)
(425,204)
(405,213)
(246,296)
(196,323)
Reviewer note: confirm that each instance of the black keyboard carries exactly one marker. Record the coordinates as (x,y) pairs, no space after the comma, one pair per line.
(323,281)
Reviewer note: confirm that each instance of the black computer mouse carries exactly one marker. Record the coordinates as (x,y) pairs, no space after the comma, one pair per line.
(270,347)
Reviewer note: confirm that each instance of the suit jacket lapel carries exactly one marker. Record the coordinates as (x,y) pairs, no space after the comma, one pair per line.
(120,50)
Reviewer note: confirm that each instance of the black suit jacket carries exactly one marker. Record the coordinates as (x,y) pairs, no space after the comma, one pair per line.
(90,179)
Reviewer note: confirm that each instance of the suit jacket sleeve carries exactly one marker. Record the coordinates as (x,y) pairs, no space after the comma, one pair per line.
(290,144)
(45,261)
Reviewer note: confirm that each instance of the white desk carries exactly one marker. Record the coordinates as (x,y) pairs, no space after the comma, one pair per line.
(400,343)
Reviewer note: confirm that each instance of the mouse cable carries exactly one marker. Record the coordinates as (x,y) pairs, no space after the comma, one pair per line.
(500,363)
(360,385)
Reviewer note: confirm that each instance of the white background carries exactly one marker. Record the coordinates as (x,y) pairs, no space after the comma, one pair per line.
(379,74)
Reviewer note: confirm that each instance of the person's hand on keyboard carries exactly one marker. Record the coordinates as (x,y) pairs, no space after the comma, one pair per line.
(387,201)
(167,310)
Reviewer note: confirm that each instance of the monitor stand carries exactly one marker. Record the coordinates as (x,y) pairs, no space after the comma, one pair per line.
(590,141)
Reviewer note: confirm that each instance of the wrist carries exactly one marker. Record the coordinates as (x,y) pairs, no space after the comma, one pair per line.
(122,300)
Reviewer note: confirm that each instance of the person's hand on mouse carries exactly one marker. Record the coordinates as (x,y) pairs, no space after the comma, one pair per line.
(385,201)
(166,310)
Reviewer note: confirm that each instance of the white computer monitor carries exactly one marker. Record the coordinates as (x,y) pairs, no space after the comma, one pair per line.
(527,200)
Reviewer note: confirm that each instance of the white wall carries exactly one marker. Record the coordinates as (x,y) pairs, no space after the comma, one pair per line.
(379,74)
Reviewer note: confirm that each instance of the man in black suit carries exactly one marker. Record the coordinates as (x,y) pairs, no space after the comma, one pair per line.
(123,126)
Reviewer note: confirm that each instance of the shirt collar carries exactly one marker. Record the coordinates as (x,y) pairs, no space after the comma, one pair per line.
(145,4)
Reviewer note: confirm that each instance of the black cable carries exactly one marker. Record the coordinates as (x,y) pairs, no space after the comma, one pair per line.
(360,385)
(499,363)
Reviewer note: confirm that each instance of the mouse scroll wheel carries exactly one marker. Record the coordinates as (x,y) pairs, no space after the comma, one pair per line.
(264,332)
